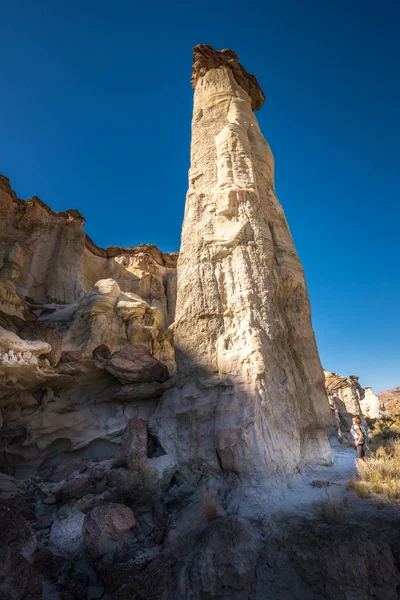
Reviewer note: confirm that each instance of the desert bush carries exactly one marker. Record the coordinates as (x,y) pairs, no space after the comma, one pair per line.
(359,487)
(120,461)
(386,429)
(210,508)
(382,475)
(329,511)
(140,483)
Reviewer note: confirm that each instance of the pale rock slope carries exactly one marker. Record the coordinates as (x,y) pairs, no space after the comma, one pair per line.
(251,398)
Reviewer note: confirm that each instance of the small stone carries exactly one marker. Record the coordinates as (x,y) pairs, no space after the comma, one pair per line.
(50,500)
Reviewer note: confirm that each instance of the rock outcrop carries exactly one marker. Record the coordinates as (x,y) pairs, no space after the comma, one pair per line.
(61,263)
(349,399)
(252,398)
(83,332)
(127,475)
(370,404)
(390,401)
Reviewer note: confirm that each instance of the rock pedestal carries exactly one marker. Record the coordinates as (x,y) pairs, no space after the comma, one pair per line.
(252,397)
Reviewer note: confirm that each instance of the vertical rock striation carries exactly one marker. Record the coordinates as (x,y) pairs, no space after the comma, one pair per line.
(252,397)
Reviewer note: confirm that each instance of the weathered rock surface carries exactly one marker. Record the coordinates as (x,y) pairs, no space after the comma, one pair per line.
(344,397)
(134,364)
(252,397)
(61,263)
(349,399)
(134,440)
(106,524)
(66,531)
(76,306)
(370,404)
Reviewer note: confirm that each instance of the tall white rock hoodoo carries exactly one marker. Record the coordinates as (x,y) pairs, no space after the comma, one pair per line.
(252,397)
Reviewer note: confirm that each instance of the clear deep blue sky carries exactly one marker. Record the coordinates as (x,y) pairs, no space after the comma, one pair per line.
(95,111)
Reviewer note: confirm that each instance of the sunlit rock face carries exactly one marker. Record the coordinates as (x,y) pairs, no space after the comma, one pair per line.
(252,397)
(349,399)
(58,263)
(85,342)
(370,404)
(344,395)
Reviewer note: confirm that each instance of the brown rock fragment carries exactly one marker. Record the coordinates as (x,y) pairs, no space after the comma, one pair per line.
(104,525)
(134,440)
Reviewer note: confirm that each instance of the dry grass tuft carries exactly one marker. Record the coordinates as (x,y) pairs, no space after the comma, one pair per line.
(141,482)
(119,461)
(210,508)
(385,430)
(382,476)
(328,511)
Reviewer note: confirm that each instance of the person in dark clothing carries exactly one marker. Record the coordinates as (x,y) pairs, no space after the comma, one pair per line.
(359,441)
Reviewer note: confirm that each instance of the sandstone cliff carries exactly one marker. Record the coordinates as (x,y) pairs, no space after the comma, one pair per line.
(67,311)
(251,399)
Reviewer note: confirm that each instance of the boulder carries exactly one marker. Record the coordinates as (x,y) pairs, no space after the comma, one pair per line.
(104,525)
(66,533)
(66,468)
(75,488)
(134,364)
(134,440)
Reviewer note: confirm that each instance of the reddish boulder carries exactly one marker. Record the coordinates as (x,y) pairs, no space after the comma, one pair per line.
(66,468)
(71,355)
(104,525)
(75,488)
(134,364)
(134,440)
(101,352)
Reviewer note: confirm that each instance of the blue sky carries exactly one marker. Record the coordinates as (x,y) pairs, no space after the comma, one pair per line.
(96,106)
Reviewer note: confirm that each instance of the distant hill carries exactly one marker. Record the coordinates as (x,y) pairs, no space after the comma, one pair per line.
(391,400)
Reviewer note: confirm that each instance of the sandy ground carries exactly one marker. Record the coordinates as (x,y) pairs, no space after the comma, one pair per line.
(303,495)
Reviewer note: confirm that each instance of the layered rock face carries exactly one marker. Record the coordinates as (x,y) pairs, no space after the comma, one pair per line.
(252,397)
(83,331)
(349,399)
(61,263)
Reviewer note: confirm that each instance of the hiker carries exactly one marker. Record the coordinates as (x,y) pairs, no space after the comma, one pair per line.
(360,440)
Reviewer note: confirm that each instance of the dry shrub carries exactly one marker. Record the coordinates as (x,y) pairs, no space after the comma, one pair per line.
(120,461)
(385,430)
(360,488)
(382,475)
(140,483)
(210,508)
(328,511)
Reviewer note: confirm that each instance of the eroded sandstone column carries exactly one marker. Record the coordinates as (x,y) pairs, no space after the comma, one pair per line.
(252,398)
